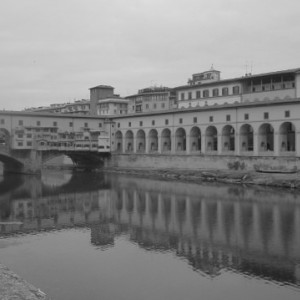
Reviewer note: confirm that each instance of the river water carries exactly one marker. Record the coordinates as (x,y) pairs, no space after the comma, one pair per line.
(99,236)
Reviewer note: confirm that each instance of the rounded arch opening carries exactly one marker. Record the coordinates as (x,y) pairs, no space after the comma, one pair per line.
(129,141)
(287,137)
(153,140)
(119,141)
(180,140)
(228,138)
(211,135)
(195,139)
(266,137)
(166,141)
(246,138)
(141,141)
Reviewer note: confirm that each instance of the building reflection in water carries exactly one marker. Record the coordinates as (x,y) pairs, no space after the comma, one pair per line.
(251,231)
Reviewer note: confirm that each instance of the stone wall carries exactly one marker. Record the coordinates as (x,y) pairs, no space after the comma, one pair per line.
(193,162)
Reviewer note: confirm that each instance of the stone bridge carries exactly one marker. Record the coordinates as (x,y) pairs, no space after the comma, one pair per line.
(28,140)
(31,161)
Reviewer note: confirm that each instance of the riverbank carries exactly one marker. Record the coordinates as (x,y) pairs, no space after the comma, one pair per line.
(14,287)
(282,180)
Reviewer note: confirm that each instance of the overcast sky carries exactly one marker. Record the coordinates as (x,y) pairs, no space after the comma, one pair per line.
(53,51)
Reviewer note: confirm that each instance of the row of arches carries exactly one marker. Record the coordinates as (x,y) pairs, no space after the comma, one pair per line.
(226,140)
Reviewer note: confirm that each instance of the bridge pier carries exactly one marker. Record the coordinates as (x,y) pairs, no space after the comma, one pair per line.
(25,162)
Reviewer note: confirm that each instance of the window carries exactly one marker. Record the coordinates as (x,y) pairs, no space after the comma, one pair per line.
(163,105)
(119,125)
(100,125)
(20,143)
(236,90)
(55,124)
(211,119)
(182,96)
(154,105)
(227,117)
(266,115)
(20,135)
(153,122)
(205,93)
(71,124)
(180,121)
(20,123)
(198,94)
(287,113)
(195,119)
(190,95)
(141,123)
(86,125)
(29,143)
(38,123)
(129,124)
(29,135)
(225,91)
(215,92)
(147,106)
(166,122)
(2,121)
(246,116)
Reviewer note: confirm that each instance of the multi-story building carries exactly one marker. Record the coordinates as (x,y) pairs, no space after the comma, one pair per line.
(81,107)
(103,101)
(207,88)
(151,99)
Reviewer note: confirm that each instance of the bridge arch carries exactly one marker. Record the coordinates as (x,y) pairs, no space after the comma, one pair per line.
(11,164)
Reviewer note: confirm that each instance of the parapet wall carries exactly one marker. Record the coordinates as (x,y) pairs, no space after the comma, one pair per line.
(194,162)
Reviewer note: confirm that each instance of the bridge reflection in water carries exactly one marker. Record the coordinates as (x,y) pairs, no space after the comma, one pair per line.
(253,231)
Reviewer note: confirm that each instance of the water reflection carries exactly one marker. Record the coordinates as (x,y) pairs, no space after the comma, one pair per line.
(253,231)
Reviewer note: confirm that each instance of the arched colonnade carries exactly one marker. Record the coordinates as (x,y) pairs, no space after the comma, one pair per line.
(264,139)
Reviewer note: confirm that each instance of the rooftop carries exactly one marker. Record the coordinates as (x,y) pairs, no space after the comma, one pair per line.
(102,87)
(242,78)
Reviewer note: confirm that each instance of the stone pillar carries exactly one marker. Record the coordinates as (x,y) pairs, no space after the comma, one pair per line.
(124,145)
(237,144)
(220,146)
(203,144)
(187,144)
(255,144)
(298,143)
(276,143)
(173,143)
(29,162)
(159,144)
(147,144)
(134,144)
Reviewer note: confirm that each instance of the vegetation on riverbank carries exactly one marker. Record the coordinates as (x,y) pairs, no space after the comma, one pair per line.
(225,176)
